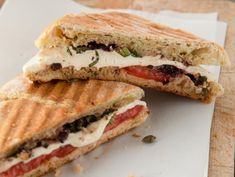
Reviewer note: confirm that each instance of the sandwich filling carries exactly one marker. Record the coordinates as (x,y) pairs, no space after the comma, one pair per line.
(80,133)
(99,56)
(156,68)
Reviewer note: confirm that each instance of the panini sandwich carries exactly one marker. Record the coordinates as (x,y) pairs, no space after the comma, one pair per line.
(124,47)
(43,126)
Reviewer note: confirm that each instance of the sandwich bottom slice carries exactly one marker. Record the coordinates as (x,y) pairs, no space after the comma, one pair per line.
(43,126)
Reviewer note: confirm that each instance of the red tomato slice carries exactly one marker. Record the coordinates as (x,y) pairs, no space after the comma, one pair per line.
(129,114)
(162,73)
(22,168)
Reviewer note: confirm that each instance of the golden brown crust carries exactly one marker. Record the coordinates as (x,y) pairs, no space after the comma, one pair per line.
(134,32)
(58,162)
(31,111)
(181,86)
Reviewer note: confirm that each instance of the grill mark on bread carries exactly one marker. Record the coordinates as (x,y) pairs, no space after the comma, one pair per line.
(90,95)
(44,101)
(107,95)
(7,125)
(161,29)
(56,92)
(140,25)
(129,23)
(63,92)
(101,22)
(81,89)
(70,95)
(42,90)
(83,97)
(48,94)
(24,112)
(71,92)
(39,120)
(51,115)
(115,89)
(100,96)
(51,86)
(37,99)
(4,111)
(58,115)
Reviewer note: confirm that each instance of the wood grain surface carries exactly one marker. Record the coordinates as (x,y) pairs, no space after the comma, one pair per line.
(221,158)
(1,2)
(221,162)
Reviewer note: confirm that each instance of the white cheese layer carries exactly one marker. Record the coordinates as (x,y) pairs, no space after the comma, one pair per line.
(82,138)
(106,58)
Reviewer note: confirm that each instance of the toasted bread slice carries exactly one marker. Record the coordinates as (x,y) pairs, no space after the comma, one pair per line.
(34,111)
(135,33)
(187,83)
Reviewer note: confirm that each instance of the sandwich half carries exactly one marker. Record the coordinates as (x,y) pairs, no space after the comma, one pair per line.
(43,126)
(124,47)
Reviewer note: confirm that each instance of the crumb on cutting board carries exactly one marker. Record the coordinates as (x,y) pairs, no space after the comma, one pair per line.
(96,158)
(136,135)
(57,172)
(77,168)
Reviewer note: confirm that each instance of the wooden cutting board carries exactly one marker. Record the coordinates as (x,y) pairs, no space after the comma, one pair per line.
(221,162)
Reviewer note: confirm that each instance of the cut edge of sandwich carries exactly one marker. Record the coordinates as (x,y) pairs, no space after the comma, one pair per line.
(139,35)
(56,162)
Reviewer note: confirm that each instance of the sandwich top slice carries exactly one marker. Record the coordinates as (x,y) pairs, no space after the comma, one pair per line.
(142,37)
(124,47)
(43,126)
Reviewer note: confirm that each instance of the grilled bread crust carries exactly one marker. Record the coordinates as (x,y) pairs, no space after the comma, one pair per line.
(183,85)
(55,163)
(34,111)
(136,33)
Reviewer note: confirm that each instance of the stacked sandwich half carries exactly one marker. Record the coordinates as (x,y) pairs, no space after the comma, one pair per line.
(64,113)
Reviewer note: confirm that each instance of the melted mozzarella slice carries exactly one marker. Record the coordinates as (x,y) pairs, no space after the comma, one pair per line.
(106,58)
